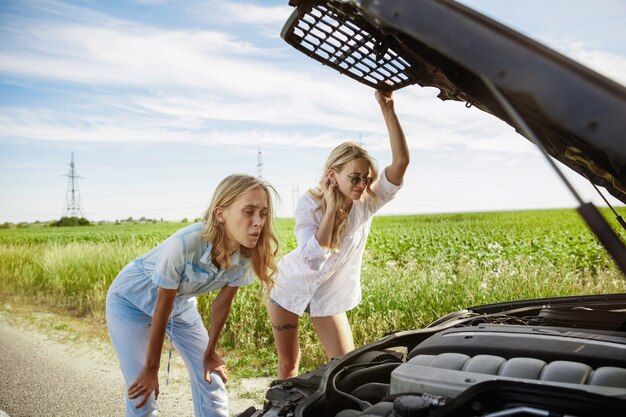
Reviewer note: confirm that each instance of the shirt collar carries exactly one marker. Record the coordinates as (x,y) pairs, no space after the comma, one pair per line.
(235,258)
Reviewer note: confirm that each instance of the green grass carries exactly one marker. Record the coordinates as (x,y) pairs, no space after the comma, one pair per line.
(415,269)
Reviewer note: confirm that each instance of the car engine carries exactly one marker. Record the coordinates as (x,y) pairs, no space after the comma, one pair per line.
(528,361)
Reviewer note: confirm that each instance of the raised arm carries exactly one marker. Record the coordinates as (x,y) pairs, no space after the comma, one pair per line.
(399,149)
(220,309)
(148,379)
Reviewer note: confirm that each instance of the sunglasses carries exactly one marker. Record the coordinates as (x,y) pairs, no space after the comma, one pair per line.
(356,180)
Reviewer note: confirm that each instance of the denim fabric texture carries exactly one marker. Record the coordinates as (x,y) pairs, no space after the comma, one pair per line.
(129,329)
(181,262)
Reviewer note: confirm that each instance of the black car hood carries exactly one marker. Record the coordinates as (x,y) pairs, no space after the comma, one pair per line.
(577,114)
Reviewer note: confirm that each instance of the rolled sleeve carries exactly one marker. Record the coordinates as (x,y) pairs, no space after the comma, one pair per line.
(308,220)
(313,254)
(168,271)
(385,191)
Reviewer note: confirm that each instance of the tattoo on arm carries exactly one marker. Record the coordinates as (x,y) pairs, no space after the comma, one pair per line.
(287,326)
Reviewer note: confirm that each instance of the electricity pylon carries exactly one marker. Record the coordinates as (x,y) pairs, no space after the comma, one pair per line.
(73,205)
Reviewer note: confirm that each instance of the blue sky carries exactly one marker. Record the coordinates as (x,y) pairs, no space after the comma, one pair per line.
(159,100)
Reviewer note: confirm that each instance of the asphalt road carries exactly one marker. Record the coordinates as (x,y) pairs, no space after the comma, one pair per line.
(44,377)
(41,378)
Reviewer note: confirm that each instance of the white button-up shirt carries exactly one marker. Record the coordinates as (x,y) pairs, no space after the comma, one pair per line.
(328,282)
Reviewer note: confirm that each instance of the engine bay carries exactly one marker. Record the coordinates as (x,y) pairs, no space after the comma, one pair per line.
(528,361)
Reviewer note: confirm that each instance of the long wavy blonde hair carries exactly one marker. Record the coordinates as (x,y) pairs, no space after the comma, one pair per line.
(341,155)
(263,255)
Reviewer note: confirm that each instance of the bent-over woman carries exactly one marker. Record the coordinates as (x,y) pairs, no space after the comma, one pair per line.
(155,294)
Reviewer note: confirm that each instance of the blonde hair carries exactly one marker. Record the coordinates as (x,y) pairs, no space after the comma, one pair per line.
(263,255)
(340,156)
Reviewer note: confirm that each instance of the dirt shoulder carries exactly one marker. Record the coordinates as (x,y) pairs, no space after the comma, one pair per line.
(66,366)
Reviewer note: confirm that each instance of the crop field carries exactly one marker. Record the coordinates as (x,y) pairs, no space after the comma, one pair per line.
(416,268)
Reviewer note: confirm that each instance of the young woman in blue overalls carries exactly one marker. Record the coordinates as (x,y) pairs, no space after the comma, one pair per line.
(155,294)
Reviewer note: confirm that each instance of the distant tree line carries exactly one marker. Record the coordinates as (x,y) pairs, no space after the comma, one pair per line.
(81,221)
(71,221)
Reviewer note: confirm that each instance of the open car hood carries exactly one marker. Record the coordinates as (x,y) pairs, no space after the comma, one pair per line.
(577,114)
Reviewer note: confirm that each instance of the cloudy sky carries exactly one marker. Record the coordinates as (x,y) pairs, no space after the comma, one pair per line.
(158,100)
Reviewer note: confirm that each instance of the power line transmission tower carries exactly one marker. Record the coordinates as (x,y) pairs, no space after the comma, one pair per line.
(73,205)
(259,164)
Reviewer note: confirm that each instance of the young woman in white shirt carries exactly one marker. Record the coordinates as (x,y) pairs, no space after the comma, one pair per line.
(322,275)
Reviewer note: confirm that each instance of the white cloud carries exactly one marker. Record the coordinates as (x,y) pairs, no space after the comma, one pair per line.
(243,12)
(49,126)
(145,83)
(133,56)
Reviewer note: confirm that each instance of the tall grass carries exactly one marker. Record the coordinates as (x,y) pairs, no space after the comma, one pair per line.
(415,269)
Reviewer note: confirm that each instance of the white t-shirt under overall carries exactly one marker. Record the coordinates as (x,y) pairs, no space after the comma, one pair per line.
(328,282)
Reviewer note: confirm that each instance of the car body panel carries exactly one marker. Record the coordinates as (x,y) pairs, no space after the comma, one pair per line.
(475,362)
(576,113)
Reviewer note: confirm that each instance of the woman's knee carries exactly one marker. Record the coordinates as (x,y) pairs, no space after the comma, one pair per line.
(288,364)
(289,358)
(335,334)
(149,409)
(209,398)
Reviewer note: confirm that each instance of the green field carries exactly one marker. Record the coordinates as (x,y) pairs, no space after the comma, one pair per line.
(415,269)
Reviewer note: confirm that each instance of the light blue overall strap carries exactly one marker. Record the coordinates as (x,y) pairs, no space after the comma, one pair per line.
(169,358)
